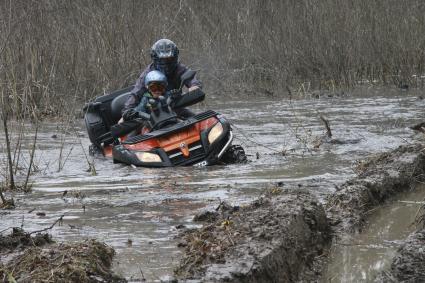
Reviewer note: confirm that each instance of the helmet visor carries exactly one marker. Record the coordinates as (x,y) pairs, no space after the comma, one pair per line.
(166,65)
(156,87)
(167,60)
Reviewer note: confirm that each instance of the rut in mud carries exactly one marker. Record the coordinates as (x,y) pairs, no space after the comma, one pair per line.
(273,239)
(409,263)
(363,255)
(379,178)
(282,238)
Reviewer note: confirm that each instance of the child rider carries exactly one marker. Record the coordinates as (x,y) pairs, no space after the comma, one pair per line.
(156,83)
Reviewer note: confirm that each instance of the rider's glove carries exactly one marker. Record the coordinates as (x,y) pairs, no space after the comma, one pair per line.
(130,114)
(174,93)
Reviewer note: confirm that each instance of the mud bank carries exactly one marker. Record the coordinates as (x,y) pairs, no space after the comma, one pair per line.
(379,178)
(27,258)
(274,239)
(284,235)
(409,263)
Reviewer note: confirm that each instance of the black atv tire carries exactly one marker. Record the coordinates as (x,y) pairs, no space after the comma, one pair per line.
(94,150)
(235,154)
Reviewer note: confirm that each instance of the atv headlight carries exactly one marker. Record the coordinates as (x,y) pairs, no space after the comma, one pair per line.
(215,132)
(148,157)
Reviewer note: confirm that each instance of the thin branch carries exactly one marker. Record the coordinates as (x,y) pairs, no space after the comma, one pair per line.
(8,149)
(31,158)
(50,227)
(4,230)
(328,128)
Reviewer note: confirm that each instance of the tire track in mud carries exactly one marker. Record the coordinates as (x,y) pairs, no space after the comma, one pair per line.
(285,235)
(271,240)
(409,263)
(380,177)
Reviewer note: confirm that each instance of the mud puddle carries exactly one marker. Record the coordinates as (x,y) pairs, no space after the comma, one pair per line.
(361,257)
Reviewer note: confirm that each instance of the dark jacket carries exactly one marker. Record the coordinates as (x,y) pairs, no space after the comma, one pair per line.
(173,83)
(143,104)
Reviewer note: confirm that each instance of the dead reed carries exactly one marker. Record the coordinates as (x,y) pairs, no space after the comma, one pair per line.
(50,49)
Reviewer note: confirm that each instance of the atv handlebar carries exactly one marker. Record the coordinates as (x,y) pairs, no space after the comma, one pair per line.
(143,115)
(162,115)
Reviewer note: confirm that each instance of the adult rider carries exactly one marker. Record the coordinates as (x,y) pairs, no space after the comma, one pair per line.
(164,55)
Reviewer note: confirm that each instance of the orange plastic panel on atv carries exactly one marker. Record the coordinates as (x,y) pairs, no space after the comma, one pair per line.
(179,140)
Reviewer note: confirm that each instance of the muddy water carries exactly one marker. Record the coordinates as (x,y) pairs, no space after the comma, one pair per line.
(360,258)
(136,210)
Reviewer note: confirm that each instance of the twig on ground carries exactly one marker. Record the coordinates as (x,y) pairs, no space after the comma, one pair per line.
(4,230)
(328,128)
(60,219)
(143,276)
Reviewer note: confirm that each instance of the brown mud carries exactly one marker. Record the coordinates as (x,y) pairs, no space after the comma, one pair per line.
(27,258)
(284,236)
(409,263)
(379,177)
(273,239)
(19,239)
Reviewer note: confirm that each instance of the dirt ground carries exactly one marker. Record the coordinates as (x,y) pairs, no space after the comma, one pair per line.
(27,258)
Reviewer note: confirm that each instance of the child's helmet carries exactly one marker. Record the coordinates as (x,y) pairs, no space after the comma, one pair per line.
(155,77)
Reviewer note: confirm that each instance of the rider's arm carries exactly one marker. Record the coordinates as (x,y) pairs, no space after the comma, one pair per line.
(193,83)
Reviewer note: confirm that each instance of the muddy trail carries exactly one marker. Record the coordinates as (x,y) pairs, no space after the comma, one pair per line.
(274,239)
(285,235)
(139,211)
(408,264)
(361,257)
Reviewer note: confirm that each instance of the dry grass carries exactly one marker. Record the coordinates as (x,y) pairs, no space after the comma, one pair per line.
(88,261)
(50,49)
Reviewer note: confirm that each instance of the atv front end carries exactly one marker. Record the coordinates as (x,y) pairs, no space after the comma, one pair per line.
(200,140)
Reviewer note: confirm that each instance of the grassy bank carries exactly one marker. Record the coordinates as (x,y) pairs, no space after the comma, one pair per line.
(52,52)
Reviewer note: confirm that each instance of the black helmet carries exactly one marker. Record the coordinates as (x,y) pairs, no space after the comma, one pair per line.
(165,54)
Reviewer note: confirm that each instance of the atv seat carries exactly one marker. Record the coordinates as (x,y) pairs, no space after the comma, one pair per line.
(104,112)
(117,105)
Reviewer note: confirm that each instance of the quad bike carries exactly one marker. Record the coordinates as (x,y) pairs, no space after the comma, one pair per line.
(166,139)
